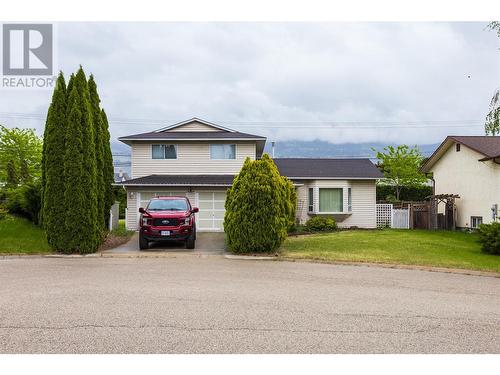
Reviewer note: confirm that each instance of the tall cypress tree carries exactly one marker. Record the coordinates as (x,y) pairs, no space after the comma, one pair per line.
(108,169)
(81,227)
(99,157)
(54,140)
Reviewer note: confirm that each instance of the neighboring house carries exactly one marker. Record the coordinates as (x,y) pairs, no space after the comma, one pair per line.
(470,167)
(121,176)
(199,159)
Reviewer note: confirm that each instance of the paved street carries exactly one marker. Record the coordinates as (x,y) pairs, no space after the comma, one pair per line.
(209,304)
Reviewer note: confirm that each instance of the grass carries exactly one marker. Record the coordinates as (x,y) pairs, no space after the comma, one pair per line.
(410,247)
(20,236)
(121,231)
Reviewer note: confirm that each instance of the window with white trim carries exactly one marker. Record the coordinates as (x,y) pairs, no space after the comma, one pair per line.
(222,151)
(331,200)
(164,151)
(310,200)
(476,221)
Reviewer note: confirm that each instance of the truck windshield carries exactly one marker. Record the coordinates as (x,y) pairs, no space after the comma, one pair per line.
(167,205)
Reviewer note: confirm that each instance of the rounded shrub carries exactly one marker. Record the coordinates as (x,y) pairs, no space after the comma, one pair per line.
(321,224)
(260,207)
(489,237)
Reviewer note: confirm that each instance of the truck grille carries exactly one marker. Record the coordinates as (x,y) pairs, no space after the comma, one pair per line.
(166,222)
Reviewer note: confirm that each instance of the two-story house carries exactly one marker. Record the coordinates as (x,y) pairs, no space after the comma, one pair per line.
(470,167)
(199,159)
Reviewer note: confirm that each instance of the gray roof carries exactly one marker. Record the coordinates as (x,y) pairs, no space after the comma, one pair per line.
(296,169)
(306,168)
(182,180)
(175,135)
(489,146)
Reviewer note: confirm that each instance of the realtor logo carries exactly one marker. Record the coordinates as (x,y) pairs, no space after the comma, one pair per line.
(27,49)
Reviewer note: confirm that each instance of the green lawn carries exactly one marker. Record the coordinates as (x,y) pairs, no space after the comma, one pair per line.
(18,235)
(412,247)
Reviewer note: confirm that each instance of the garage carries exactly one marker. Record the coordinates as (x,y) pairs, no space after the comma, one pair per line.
(211,215)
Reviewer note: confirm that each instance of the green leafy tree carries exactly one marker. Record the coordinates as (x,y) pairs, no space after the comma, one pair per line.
(82,231)
(54,146)
(258,208)
(20,155)
(400,166)
(12,177)
(492,124)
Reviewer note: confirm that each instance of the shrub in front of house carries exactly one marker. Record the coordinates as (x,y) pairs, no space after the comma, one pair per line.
(489,237)
(260,207)
(321,224)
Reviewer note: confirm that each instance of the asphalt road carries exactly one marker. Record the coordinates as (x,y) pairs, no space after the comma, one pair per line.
(190,304)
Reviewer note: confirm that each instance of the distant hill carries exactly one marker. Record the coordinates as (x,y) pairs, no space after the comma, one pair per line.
(321,149)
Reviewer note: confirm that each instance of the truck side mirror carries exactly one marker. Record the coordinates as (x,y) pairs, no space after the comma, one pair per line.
(142,210)
(195,210)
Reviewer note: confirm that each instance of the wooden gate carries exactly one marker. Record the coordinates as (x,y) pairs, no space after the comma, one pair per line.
(420,215)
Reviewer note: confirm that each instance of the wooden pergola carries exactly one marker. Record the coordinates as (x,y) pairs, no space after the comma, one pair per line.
(446,220)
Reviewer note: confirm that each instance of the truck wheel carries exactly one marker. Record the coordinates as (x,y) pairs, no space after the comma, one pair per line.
(190,242)
(143,243)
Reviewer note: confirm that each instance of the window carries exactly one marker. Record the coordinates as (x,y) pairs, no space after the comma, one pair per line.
(349,199)
(310,200)
(457,147)
(475,221)
(164,151)
(331,200)
(222,151)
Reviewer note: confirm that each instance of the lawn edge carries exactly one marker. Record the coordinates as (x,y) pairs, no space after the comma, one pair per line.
(458,271)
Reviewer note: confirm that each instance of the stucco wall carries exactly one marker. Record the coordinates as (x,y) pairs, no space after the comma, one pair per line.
(477,183)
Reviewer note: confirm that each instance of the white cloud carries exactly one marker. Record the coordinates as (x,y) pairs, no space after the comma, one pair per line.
(290,74)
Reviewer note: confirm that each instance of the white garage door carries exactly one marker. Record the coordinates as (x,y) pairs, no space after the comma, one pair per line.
(211,215)
(145,196)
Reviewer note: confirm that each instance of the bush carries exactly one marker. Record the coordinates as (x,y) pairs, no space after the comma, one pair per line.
(321,224)
(260,207)
(3,213)
(387,193)
(489,237)
(25,201)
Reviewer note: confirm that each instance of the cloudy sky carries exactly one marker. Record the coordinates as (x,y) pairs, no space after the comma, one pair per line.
(339,82)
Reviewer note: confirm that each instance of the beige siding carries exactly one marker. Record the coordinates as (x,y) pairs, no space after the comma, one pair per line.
(363,214)
(477,183)
(195,127)
(364,200)
(192,158)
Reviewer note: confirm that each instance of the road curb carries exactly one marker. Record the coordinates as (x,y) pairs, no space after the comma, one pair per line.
(249,257)
(457,271)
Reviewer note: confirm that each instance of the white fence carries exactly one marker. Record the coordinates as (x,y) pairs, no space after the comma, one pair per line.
(389,217)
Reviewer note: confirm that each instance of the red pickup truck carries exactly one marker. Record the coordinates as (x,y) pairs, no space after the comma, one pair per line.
(167,219)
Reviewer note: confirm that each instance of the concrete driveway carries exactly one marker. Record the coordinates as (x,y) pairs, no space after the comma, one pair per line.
(209,243)
(189,304)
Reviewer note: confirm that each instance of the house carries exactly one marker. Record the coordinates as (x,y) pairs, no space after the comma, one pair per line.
(199,159)
(121,176)
(470,167)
